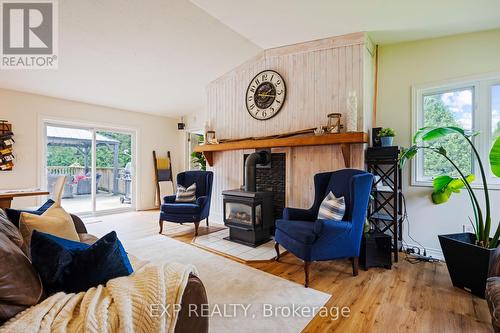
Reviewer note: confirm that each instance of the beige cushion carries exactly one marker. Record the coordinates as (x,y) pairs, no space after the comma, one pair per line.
(88,238)
(55,221)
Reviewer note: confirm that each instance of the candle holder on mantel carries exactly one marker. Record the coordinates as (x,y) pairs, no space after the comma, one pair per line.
(210,137)
(333,123)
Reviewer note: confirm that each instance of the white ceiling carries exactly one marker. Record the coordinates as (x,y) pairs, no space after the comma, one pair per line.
(157,56)
(282,22)
(152,56)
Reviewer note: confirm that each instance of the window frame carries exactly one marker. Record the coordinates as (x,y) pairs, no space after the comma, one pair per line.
(481,121)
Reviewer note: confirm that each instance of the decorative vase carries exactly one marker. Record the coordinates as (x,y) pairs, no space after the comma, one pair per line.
(386,141)
(352,112)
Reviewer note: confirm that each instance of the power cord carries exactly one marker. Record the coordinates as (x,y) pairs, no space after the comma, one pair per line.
(407,219)
(412,254)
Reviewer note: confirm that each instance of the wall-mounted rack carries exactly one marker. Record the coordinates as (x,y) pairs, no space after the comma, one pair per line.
(6,143)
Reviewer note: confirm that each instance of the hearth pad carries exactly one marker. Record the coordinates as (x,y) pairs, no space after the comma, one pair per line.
(216,243)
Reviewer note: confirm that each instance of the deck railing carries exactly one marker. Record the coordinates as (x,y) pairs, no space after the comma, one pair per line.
(105,182)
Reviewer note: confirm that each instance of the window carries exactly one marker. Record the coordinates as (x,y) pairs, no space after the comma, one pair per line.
(473,105)
(448,108)
(495,111)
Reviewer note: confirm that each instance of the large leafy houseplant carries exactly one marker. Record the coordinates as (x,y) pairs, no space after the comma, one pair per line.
(427,138)
(199,160)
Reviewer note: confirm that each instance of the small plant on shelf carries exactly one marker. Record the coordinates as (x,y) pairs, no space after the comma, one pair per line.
(386,132)
(386,136)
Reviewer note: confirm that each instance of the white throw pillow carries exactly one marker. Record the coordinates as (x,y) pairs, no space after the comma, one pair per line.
(332,208)
(186,194)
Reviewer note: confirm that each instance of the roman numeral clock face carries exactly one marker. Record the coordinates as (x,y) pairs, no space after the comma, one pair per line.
(265,95)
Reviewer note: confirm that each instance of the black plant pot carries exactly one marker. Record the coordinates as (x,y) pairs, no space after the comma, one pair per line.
(467,263)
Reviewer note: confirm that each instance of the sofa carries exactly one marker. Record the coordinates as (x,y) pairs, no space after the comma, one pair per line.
(84,186)
(493,290)
(16,291)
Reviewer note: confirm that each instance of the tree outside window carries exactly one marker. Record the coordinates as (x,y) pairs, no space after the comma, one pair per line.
(450,108)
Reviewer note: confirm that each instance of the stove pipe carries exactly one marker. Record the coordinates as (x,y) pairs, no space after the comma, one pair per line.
(260,157)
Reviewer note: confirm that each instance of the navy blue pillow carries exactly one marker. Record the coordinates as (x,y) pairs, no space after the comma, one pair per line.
(72,267)
(15,214)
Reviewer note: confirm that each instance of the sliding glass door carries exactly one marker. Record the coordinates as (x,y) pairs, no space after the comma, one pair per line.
(97,163)
(113,170)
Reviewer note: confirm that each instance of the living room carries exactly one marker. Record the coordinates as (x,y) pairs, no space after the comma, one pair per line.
(196,166)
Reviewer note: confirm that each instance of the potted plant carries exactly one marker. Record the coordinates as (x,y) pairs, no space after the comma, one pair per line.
(199,160)
(467,255)
(386,136)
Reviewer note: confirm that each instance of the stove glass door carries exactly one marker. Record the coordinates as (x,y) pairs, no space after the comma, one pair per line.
(237,212)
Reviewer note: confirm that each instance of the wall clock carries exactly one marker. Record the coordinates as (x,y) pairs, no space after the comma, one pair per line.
(265,95)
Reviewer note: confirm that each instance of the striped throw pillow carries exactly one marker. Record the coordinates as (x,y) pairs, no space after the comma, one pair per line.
(332,208)
(186,194)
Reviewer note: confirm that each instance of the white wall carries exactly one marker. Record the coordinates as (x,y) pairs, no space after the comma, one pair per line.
(405,64)
(195,122)
(26,111)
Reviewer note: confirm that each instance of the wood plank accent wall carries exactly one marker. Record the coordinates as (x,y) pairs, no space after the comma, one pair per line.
(319,76)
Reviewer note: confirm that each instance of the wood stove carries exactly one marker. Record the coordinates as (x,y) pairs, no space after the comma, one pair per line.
(249,214)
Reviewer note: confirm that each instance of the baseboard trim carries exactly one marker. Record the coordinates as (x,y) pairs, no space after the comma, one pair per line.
(142,209)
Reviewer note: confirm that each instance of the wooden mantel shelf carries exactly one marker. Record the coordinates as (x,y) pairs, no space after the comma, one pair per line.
(343,139)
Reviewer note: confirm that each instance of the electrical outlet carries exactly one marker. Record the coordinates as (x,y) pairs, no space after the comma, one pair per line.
(467,228)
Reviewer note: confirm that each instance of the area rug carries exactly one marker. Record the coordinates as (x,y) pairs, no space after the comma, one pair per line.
(216,243)
(268,299)
(176,229)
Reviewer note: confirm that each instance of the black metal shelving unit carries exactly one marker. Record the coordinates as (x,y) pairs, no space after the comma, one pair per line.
(385,210)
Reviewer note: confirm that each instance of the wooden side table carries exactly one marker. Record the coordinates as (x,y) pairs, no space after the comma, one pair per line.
(376,248)
(6,197)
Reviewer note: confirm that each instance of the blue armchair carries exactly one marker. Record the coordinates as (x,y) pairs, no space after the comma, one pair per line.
(310,239)
(181,212)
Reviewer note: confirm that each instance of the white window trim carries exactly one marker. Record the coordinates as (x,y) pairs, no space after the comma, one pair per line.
(481,121)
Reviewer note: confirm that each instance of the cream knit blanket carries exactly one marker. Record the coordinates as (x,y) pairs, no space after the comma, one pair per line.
(142,302)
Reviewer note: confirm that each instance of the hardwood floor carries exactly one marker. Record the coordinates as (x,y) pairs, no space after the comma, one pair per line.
(408,298)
